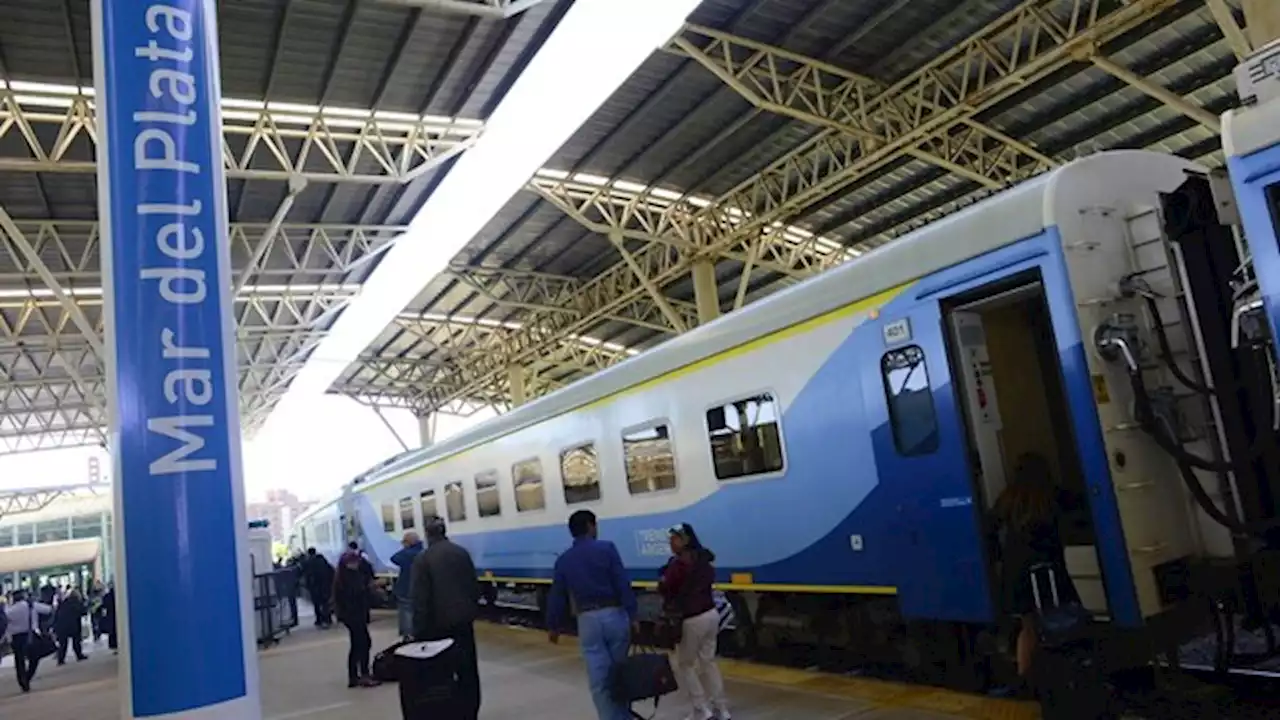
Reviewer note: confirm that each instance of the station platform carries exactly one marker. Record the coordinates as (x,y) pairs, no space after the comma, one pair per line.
(523,677)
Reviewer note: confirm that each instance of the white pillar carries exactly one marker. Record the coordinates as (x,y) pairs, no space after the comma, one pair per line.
(515,378)
(181,534)
(706,293)
(427,429)
(1262,21)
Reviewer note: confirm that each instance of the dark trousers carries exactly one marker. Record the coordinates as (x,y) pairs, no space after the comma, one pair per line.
(358,655)
(468,668)
(324,612)
(23,664)
(74,641)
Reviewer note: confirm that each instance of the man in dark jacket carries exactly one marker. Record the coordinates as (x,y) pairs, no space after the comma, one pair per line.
(67,626)
(404,561)
(446,599)
(319,575)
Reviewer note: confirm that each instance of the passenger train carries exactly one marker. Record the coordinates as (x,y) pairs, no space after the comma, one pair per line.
(839,443)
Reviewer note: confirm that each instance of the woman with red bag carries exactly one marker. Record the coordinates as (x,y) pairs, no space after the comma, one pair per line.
(686,589)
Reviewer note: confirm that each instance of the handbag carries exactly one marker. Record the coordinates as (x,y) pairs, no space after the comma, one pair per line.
(642,676)
(668,629)
(40,646)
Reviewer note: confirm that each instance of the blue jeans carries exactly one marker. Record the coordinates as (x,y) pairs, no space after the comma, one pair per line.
(404,614)
(605,637)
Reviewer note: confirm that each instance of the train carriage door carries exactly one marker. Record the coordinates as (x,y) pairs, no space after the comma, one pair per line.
(923,460)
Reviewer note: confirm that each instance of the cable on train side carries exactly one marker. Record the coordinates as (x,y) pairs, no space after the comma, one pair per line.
(1114,346)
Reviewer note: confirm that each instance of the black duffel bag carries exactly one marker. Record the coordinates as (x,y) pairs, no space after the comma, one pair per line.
(642,676)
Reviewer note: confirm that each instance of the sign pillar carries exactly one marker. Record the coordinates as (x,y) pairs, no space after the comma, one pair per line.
(183,600)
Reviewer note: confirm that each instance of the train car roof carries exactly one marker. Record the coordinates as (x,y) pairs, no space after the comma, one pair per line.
(1015,214)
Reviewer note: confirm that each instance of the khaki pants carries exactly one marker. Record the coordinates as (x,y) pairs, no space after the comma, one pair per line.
(696,659)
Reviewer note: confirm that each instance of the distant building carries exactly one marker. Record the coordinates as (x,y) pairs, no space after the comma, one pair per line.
(79,516)
(279,509)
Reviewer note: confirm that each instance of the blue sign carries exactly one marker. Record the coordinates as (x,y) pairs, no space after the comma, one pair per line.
(183,601)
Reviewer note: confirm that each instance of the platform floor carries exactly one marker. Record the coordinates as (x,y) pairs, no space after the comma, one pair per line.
(524,678)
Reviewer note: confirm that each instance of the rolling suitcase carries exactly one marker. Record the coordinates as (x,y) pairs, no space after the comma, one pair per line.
(426,672)
(1068,674)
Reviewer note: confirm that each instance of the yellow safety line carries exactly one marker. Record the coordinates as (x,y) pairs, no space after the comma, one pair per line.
(739,587)
(882,693)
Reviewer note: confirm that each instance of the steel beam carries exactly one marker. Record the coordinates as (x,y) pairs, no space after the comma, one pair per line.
(817,92)
(297,252)
(559,294)
(494,9)
(933,107)
(1166,96)
(1224,15)
(444,342)
(1262,19)
(55,132)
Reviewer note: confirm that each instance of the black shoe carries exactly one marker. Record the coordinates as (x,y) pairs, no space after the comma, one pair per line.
(353,683)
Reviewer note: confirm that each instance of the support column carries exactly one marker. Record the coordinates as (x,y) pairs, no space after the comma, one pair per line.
(515,379)
(706,294)
(427,429)
(181,534)
(1262,21)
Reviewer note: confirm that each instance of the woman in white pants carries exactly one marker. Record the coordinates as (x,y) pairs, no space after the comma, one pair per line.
(686,591)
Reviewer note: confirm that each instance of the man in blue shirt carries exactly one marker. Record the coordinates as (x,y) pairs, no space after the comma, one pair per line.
(590,575)
(403,559)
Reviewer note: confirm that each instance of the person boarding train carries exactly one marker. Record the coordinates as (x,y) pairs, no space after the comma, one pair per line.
(591,576)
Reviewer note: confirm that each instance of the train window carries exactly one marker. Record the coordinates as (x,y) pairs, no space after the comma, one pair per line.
(428,502)
(406,513)
(1273,199)
(530,494)
(580,471)
(487,499)
(651,463)
(911,411)
(454,503)
(744,437)
(388,517)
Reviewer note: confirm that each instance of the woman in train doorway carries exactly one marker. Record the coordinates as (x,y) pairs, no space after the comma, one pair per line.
(686,589)
(1026,517)
(352,596)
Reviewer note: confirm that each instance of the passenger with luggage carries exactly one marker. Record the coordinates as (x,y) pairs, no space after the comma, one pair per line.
(29,644)
(1027,521)
(351,596)
(590,575)
(686,589)
(446,602)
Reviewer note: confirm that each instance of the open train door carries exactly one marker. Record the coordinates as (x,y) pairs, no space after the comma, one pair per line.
(923,461)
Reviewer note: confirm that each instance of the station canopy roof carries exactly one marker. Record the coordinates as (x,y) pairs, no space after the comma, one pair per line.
(48,555)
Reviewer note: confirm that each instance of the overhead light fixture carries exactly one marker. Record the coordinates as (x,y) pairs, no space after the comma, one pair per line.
(594,49)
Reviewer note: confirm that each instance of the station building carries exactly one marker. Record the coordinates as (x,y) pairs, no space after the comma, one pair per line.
(66,542)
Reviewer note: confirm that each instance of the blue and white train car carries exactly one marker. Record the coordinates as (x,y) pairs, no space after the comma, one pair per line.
(838,443)
(1251,140)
